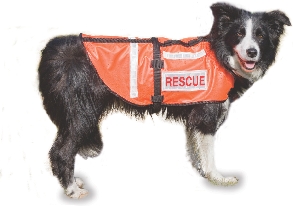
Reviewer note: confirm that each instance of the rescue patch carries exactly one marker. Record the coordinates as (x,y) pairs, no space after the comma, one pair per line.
(184,81)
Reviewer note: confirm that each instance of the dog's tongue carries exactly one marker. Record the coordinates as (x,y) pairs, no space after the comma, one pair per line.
(249,64)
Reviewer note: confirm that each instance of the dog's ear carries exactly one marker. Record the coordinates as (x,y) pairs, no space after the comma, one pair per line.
(225,12)
(276,20)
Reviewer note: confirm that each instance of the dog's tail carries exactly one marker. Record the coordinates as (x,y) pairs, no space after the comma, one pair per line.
(71,91)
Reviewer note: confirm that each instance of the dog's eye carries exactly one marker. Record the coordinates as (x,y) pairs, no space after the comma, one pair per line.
(240,34)
(260,36)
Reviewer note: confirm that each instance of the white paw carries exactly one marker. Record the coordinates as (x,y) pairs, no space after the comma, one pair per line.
(75,190)
(218,179)
(79,182)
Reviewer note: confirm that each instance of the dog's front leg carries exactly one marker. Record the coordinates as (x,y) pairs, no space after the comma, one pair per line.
(201,151)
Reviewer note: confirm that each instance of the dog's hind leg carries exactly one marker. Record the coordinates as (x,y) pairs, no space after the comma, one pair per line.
(202,124)
(62,157)
(63,152)
(74,98)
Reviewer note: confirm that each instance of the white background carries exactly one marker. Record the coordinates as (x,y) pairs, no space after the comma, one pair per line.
(143,162)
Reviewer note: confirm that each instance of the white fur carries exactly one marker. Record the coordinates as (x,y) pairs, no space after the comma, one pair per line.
(247,43)
(205,149)
(235,64)
(75,190)
(237,68)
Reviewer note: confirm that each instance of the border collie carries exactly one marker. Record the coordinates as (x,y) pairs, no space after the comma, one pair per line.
(76,98)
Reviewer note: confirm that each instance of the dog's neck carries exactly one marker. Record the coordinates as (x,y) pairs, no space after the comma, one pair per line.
(240,86)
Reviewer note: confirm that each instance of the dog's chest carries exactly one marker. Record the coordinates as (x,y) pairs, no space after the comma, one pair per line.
(188,71)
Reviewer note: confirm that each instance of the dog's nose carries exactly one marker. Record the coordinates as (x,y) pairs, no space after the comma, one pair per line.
(251,52)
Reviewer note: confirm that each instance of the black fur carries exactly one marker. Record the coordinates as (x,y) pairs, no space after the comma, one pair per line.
(76,99)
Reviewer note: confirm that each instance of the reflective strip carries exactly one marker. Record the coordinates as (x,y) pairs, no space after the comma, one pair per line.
(184,55)
(133,69)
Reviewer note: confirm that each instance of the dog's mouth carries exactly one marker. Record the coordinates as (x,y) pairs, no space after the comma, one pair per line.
(247,65)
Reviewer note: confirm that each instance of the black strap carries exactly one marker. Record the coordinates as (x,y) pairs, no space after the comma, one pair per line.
(157,64)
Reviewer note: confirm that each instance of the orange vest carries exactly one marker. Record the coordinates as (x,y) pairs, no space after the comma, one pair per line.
(190,72)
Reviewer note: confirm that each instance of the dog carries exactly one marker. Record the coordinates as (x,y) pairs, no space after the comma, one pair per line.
(76,98)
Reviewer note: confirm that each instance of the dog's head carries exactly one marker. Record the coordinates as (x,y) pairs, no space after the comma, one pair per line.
(246,42)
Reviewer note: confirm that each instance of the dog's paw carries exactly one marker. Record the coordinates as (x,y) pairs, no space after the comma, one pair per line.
(78,193)
(76,190)
(79,182)
(223,181)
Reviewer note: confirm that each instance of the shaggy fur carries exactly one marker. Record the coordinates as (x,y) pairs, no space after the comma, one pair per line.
(76,98)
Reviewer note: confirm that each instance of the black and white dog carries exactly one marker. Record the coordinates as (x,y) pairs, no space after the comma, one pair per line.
(76,98)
